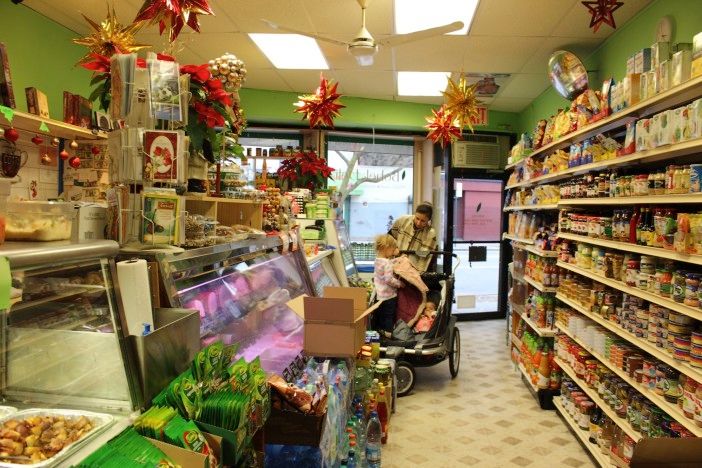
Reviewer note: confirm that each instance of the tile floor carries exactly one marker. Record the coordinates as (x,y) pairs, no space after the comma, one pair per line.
(486,417)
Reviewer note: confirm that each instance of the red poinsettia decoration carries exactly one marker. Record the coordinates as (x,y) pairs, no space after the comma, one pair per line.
(174,14)
(442,127)
(322,107)
(305,169)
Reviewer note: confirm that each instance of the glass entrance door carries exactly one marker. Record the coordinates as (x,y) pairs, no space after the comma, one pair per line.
(477,227)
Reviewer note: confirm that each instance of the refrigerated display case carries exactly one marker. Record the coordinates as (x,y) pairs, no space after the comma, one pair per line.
(241,290)
(62,342)
(322,271)
(337,237)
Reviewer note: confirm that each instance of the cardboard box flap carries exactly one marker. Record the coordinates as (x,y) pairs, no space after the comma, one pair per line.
(668,452)
(298,305)
(359,296)
(326,309)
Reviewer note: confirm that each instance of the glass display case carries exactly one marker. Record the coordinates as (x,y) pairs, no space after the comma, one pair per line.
(322,271)
(338,238)
(62,342)
(241,291)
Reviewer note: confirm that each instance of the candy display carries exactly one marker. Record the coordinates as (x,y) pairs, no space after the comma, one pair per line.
(127,449)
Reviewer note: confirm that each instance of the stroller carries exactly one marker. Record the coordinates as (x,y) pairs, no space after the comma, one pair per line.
(426,349)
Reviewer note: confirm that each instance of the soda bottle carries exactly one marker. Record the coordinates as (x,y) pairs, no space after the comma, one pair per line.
(373,441)
(360,440)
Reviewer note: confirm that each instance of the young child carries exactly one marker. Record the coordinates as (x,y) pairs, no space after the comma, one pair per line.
(385,282)
(428,315)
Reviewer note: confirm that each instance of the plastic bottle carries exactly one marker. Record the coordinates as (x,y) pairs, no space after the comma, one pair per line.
(373,441)
(351,460)
(383,416)
(360,440)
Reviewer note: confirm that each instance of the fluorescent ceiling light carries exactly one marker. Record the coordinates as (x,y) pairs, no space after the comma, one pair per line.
(415,15)
(421,83)
(291,51)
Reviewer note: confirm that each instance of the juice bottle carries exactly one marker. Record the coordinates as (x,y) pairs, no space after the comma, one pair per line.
(383,416)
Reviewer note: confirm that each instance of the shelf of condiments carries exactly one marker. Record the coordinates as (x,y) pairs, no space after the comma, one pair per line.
(638,416)
(666,227)
(606,354)
(658,276)
(671,180)
(535,356)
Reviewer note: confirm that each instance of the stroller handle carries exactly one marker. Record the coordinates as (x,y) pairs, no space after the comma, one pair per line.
(426,253)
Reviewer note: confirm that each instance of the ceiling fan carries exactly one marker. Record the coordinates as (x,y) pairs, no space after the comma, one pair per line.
(363,46)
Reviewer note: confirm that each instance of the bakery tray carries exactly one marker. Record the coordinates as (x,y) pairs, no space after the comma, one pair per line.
(100,422)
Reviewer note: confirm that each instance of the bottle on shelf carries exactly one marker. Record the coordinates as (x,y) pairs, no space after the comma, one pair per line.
(383,415)
(351,460)
(373,441)
(631,234)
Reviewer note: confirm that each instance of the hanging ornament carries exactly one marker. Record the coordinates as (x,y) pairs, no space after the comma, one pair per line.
(11,135)
(95,150)
(443,127)
(110,37)
(73,144)
(602,12)
(37,140)
(64,154)
(74,162)
(45,158)
(460,102)
(322,107)
(174,14)
(229,70)
(55,141)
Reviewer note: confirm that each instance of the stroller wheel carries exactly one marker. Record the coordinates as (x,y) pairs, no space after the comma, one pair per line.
(405,377)
(455,352)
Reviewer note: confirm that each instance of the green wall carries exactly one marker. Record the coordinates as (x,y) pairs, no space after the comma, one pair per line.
(610,58)
(41,55)
(276,107)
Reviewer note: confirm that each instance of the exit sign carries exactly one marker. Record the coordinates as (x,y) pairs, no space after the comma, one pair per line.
(481,120)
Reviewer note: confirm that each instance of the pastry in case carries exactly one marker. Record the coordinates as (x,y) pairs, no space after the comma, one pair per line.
(39,221)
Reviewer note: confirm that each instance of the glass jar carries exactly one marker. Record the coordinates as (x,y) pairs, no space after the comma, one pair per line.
(645,424)
(382,373)
(622,401)
(692,283)
(627,448)
(634,412)
(672,389)
(688,399)
(632,272)
(585,410)
(679,286)
(665,282)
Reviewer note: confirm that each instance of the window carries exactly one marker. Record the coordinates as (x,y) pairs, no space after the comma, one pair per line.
(379,186)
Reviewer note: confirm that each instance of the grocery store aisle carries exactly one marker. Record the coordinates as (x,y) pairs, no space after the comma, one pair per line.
(485,417)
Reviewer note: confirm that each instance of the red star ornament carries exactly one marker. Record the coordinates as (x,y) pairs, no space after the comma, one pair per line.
(602,12)
(442,127)
(322,107)
(174,14)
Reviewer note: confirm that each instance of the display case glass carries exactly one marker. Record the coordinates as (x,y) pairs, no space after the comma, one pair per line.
(241,291)
(322,274)
(62,340)
(344,243)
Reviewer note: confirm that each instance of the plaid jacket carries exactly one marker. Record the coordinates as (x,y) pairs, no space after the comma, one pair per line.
(409,238)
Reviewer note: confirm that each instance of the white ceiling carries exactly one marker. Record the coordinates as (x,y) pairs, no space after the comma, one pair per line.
(507,36)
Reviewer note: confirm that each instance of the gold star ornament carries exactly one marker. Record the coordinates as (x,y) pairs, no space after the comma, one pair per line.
(460,101)
(110,37)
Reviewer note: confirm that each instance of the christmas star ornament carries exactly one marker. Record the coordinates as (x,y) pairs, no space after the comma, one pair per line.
(174,14)
(110,37)
(443,127)
(460,102)
(322,107)
(602,12)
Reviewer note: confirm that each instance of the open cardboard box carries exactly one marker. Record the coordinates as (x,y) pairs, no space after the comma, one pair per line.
(667,452)
(188,459)
(336,324)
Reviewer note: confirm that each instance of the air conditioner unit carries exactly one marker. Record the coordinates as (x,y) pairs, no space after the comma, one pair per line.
(478,152)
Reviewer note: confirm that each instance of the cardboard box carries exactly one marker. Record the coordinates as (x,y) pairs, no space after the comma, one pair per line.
(294,428)
(231,442)
(643,86)
(90,222)
(660,51)
(651,84)
(668,452)
(188,459)
(696,67)
(630,65)
(336,324)
(680,67)
(642,61)
(664,76)
(631,90)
